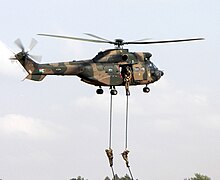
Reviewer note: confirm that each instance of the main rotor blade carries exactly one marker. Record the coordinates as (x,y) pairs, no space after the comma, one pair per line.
(76,38)
(32,44)
(92,35)
(19,44)
(163,41)
(145,39)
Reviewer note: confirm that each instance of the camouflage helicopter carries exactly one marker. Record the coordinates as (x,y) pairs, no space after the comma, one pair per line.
(112,67)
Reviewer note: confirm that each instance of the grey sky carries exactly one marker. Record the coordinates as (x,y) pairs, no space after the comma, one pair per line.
(58,128)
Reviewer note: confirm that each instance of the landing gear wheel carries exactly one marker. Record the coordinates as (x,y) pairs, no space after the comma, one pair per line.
(113,92)
(99,91)
(146,89)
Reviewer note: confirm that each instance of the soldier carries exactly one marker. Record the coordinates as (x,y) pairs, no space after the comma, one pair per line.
(109,153)
(125,157)
(127,75)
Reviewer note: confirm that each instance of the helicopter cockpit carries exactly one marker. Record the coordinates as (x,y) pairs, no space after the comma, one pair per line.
(154,71)
(151,65)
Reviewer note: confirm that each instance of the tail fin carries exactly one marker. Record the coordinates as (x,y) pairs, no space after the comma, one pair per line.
(26,61)
(30,66)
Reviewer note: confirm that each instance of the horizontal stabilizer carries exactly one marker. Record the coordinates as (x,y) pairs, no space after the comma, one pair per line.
(35,77)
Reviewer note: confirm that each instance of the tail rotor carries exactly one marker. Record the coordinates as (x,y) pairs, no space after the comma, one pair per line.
(24,53)
(32,44)
(19,44)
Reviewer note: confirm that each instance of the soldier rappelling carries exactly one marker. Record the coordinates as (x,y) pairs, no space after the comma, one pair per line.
(126,73)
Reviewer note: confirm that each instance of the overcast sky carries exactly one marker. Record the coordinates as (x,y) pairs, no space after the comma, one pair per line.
(58,128)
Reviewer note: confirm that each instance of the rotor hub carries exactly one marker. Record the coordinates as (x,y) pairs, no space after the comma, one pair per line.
(119,43)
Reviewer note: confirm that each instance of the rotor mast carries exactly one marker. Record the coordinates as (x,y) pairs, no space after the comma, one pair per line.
(119,43)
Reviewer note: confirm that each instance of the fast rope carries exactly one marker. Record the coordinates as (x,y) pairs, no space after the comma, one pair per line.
(109,151)
(126,124)
(126,151)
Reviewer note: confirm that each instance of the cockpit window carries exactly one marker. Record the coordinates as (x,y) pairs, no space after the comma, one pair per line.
(151,65)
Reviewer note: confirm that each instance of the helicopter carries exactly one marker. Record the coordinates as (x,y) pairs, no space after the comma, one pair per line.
(112,67)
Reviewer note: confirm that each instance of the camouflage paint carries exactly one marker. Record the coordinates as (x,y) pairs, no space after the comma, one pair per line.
(103,70)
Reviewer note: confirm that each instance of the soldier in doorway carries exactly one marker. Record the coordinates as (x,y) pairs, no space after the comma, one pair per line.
(126,73)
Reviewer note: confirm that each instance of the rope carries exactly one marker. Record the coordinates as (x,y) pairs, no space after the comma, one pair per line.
(129,169)
(126,125)
(109,152)
(110,124)
(113,173)
(125,153)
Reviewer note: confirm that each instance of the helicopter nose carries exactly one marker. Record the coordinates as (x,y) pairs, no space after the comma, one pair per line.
(159,74)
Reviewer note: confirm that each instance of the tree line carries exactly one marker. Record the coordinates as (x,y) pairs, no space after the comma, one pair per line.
(197,176)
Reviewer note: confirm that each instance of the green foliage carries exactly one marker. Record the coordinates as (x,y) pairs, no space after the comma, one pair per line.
(200,177)
(126,177)
(107,178)
(78,178)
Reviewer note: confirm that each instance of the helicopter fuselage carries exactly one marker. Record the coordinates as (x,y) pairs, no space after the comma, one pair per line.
(105,69)
(113,67)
